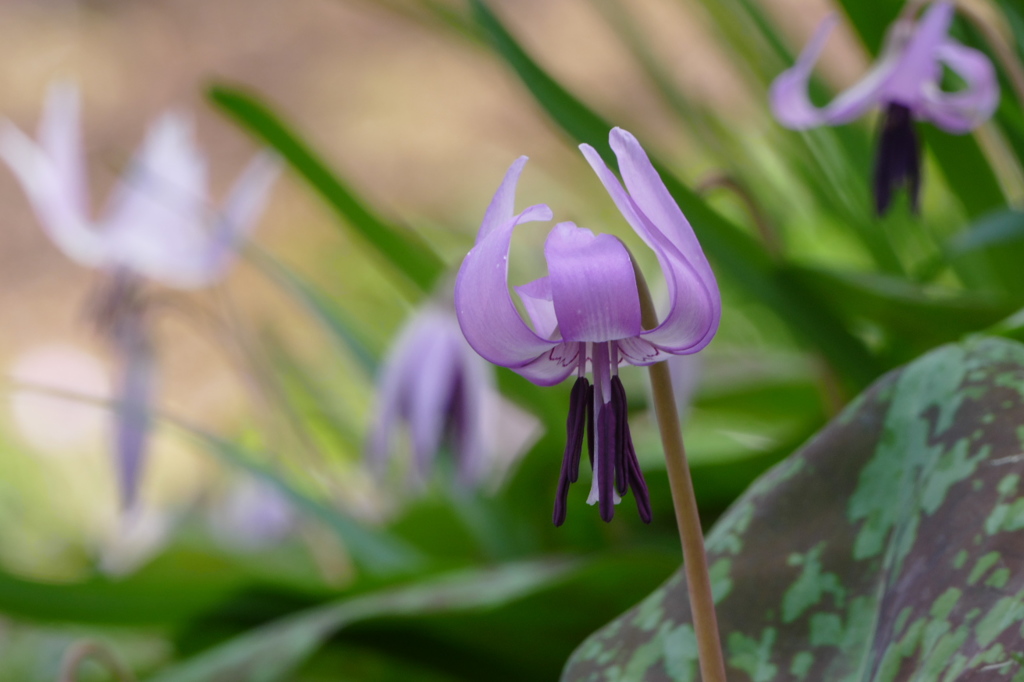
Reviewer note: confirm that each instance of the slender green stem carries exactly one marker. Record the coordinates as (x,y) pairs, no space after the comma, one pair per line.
(695,563)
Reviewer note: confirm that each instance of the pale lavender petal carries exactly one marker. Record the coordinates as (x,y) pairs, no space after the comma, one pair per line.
(653,199)
(398,374)
(789,98)
(431,395)
(639,351)
(60,137)
(592,283)
(536,298)
(502,206)
(241,209)
(157,216)
(488,317)
(964,110)
(917,64)
(134,404)
(553,366)
(53,190)
(695,305)
(473,428)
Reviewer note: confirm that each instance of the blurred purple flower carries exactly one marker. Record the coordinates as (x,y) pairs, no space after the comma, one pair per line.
(253,515)
(157,225)
(433,381)
(905,81)
(586,313)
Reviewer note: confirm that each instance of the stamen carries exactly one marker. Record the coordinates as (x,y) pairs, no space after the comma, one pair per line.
(898,161)
(606,422)
(574,426)
(591,426)
(618,404)
(636,479)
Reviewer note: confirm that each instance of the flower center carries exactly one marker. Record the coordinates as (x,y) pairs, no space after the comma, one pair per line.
(601,410)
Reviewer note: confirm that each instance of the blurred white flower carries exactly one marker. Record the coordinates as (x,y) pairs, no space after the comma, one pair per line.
(157,225)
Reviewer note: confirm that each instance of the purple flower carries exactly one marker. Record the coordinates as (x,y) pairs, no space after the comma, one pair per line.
(433,381)
(586,313)
(157,225)
(905,81)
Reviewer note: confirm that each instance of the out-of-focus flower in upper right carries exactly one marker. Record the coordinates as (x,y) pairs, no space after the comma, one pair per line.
(906,82)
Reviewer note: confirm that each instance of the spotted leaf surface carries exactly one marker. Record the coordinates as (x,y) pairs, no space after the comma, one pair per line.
(889,548)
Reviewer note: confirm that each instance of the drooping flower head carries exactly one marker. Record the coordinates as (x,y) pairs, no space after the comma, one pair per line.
(157,225)
(586,312)
(906,83)
(433,382)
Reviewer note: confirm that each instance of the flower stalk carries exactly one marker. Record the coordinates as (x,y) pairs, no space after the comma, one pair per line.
(695,563)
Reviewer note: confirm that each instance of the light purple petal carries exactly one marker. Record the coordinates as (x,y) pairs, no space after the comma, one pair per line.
(60,137)
(917,63)
(474,445)
(639,351)
(51,176)
(536,298)
(964,110)
(552,366)
(654,201)
(157,216)
(397,375)
(488,317)
(592,284)
(789,98)
(134,404)
(503,205)
(695,305)
(241,209)
(432,393)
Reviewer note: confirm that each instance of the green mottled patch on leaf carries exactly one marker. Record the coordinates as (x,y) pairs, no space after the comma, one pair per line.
(984,563)
(753,656)
(802,663)
(887,549)
(810,587)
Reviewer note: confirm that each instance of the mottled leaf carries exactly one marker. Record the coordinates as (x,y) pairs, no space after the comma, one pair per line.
(887,549)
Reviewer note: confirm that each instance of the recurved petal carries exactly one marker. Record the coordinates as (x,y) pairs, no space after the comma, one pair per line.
(60,137)
(694,301)
(432,395)
(917,65)
(502,206)
(53,199)
(789,98)
(592,284)
(397,376)
(157,216)
(964,110)
(240,211)
(536,298)
(489,319)
(654,201)
(474,415)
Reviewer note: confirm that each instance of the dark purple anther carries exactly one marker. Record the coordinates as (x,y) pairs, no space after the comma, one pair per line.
(898,161)
(580,404)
